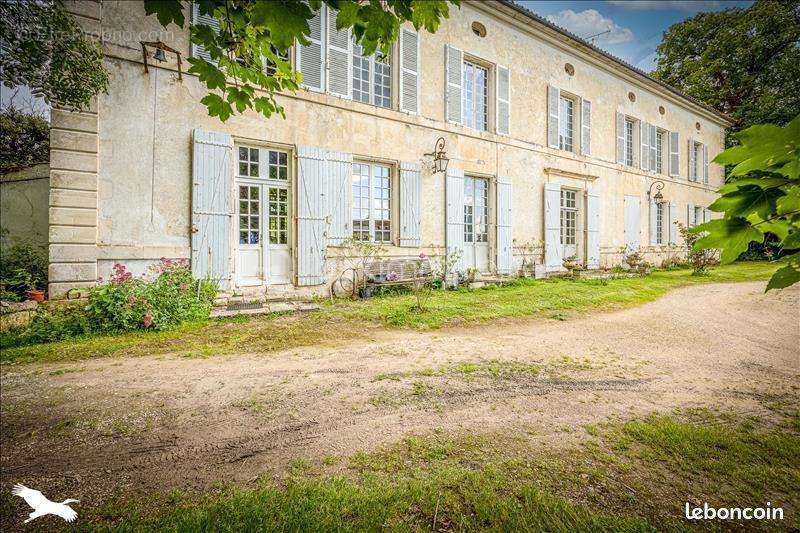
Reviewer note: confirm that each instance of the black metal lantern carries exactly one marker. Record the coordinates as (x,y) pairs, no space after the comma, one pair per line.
(440,159)
(657,197)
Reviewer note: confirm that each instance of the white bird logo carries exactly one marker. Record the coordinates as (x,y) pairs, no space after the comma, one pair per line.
(42,506)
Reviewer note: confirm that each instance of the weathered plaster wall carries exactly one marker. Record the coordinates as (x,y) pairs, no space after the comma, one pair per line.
(143,178)
(23,204)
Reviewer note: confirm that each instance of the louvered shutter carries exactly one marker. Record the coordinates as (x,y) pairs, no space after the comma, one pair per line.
(310,58)
(674,153)
(705,164)
(653,142)
(706,214)
(592,230)
(339,172)
(454,190)
(410,204)
(311,171)
(673,223)
(633,220)
(454,66)
(644,145)
(653,224)
(692,161)
(505,244)
(553,98)
(409,71)
(552,227)
(212,206)
(503,100)
(197,19)
(690,222)
(586,127)
(620,119)
(340,58)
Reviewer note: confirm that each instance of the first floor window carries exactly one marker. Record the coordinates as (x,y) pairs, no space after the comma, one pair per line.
(372,200)
(565,122)
(659,151)
(629,142)
(372,78)
(270,67)
(569,216)
(660,223)
(475,96)
(697,149)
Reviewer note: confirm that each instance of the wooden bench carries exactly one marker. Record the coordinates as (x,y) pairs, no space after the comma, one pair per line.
(395,272)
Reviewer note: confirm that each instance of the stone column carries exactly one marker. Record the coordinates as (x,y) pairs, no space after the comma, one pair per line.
(74,165)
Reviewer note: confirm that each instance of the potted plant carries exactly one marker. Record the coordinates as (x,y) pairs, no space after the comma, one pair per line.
(570,263)
(24,279)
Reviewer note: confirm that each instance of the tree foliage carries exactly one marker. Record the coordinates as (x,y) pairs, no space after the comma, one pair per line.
(252,31)
(44,48)
(743,62)
(24,140)
(762,195)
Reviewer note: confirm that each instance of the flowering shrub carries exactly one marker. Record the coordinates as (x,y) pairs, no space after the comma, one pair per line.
(127,303)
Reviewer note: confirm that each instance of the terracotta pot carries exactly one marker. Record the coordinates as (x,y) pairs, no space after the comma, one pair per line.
(35,295)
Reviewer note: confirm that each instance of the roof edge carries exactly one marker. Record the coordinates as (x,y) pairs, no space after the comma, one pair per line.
(535,19)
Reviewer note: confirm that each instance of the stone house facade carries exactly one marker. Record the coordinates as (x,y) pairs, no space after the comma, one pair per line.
(553,146)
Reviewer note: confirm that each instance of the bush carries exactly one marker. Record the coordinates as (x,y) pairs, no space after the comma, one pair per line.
(21,265)
(24,140)
(126,303)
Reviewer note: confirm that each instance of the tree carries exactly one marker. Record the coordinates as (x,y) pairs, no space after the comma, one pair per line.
(742,62)
(255,30)
(762,195)
(24,140)
(44,48)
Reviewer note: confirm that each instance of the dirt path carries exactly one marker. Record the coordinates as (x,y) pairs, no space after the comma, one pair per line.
(129,425)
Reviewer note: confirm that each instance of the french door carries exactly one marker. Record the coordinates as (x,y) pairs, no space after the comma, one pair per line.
(476,223)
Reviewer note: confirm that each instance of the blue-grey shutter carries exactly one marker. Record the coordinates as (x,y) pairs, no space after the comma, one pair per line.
(586,127)
(673,223)
(553,97)
(503,107)
(212,206)
(633,220)
(653,223)
(311,163)
(340,58)
(690,222)
(409,71)
(692,161)
(644,145)
(552,227)
(410,204)
(505,219)
(311,57)
(705,164)
(653,142)
(620,120)
(454,74)
(674,153)
(339,167)
(197,19)
(454,191)
(592,230)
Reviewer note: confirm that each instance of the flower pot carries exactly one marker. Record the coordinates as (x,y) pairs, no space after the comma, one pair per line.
(36,295)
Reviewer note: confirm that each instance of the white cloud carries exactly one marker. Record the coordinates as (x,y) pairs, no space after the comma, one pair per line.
(682,5)
(588,23)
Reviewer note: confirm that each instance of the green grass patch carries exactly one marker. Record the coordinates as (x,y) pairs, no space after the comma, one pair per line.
(352,319)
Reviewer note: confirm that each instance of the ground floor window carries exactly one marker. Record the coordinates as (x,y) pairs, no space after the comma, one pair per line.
(372,200)
(660,223)
(476,210)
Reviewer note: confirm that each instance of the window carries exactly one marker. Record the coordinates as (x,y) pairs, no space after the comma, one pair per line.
(278,166)
(565,121)
(629,125)
(476,210)
(372,200)
(248,161)
(270,68)
(569,216)
(660,223)
(660,151)
(475,96)
(249,214)
(697,156)
(372,78)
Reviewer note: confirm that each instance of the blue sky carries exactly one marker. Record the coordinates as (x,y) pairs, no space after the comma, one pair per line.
(637,26)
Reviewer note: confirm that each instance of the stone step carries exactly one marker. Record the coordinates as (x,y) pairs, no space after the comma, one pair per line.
(266,308)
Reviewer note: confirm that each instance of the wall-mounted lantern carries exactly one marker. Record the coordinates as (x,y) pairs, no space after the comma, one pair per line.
(440,159)
(657,197)
(159,54)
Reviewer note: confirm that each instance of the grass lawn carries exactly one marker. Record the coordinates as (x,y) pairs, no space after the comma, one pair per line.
(347,319)
(631,476)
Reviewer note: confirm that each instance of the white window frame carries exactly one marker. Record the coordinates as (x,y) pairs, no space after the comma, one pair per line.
(567,214)
(566,124)
(630,141)
(372,61)
(659,223)
(472,111)
(661,142)
(387,236)
(697,149)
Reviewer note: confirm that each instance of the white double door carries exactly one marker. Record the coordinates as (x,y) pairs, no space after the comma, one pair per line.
(476,224)
(263,255)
